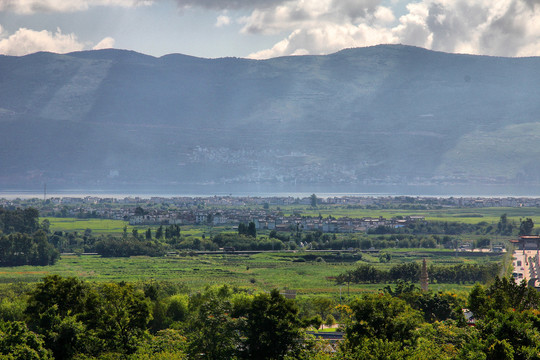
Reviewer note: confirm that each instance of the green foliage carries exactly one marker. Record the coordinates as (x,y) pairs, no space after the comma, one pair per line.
(383,317)
(272,327)
(504,227)
(502,295)
(177,307)
(19,343)
(116,247)
(248,230)
(19,221)
(213,330)
(76,318)
(118,316)
(526,227)
(18,249)
(459,273)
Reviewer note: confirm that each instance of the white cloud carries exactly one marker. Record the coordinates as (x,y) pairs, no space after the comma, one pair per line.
(38,6)
(492,27)
(25,41)
(321,26)
(500,27)
(324,40)
(222,20)
(106,43)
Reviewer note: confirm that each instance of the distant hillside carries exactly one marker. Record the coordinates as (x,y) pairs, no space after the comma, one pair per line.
(387,114)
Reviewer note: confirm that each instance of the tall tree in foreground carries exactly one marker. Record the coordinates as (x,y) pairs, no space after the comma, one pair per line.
(272,328)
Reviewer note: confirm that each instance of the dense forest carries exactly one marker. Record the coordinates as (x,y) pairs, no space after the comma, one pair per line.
(67,318)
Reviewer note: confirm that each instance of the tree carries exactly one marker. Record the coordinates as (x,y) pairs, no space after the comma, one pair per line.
(381,316)
(215,331)
(159,232)
(139,211)
(323,306)
(118,316)
(272,328)
(53,310)
(504,227)
(19,343)
(526,227)
(148,234)
(313,199)
(251,230)
(46,225)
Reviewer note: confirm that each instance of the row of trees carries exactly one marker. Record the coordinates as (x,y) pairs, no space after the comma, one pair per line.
(23,249)
(460,273)
(69,318)
(66,318)
(22,241)
(22,221)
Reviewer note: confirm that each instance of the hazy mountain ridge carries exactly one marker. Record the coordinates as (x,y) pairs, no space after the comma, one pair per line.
(385,114)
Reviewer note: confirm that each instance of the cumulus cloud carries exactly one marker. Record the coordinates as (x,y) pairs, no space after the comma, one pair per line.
(492,27)
(106,43)
(222,20)
(37,6)
(321,26)
(502,27)
(25,41)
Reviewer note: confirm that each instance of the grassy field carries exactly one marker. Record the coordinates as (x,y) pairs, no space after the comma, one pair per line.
(464,215)
(264,271)
(107,226)
(80,225)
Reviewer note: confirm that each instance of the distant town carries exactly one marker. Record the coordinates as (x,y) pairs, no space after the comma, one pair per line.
(267,213)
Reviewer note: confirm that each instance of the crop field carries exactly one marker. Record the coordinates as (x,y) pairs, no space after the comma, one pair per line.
(80,225)
(107,226)
(464,215)
(307,273)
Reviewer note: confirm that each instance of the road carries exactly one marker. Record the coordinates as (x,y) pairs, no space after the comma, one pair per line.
(524,269)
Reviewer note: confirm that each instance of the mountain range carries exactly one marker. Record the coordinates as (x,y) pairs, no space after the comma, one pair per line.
(388,114)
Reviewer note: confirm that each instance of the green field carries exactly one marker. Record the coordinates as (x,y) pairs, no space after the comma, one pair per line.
(80,225)
(464,215)
(262,271)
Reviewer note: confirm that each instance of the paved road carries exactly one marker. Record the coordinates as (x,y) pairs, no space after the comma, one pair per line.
(522,266)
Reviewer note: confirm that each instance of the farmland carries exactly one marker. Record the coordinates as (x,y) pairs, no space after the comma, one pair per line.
(307,273)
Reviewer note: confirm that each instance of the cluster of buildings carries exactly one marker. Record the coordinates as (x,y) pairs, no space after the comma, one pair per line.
(271,220)
(229,200)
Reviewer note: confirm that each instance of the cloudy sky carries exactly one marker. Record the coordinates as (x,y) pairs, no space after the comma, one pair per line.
(269,28)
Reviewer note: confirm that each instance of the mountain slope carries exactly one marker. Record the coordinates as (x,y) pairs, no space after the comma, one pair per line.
(387,114)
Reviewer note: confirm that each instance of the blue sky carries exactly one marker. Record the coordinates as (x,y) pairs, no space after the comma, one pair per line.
(269,28)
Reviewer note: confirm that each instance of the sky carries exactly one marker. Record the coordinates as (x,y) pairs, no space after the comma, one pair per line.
(263,29)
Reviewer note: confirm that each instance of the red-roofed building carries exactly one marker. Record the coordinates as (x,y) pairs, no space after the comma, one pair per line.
(527,242)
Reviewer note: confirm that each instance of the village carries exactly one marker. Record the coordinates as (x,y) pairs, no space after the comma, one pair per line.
(265,212)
